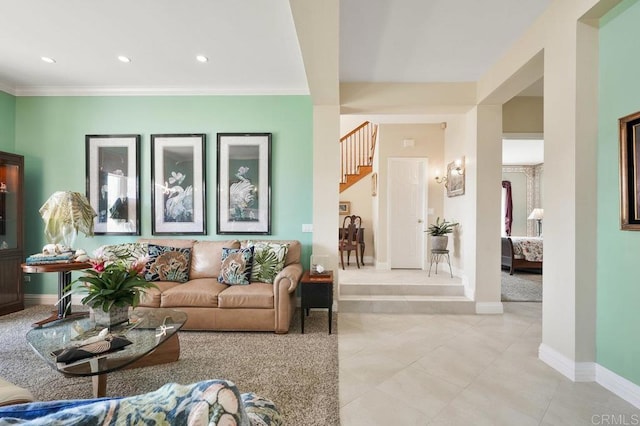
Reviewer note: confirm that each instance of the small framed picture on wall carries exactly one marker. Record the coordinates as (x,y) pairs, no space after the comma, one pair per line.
(178,198)
(113,182)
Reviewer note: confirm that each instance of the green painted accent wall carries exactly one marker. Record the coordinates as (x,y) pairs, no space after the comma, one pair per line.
(50,133)
(7,122)
(618,293)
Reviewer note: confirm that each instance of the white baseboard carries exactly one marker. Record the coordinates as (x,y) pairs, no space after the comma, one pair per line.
(489,308)
(383,266)
(591,372)
(622,387)
(574,371)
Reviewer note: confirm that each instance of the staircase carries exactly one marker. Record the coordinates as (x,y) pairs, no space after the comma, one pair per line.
(401,291)
(356,154)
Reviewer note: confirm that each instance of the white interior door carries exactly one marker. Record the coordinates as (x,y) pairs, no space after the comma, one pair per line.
(407,209)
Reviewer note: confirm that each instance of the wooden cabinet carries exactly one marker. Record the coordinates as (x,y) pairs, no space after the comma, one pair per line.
(11,232)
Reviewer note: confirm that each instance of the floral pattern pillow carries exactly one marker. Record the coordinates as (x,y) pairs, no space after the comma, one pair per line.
(168,264)
(268,260)
(128,252)
(236,266)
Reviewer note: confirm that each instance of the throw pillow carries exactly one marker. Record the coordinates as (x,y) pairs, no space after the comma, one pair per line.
(168,264)
(127,252)
(268,260)
(236,266)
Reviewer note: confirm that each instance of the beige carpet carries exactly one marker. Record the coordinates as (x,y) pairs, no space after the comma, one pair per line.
(521,287)
(299,372)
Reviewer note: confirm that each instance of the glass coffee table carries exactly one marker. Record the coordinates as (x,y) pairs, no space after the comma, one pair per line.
(153,334)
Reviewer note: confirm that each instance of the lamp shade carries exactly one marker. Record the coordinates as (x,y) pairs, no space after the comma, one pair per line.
(64,214)
(536,214)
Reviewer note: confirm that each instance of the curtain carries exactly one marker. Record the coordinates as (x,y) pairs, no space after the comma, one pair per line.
(508,215)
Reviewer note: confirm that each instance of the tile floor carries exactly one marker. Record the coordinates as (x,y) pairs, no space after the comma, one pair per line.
(410,369)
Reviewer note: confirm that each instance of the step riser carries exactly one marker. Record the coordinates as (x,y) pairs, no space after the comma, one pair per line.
(407,307)
(400,290)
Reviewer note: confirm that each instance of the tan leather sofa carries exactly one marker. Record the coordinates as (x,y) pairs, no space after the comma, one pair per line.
(211,305)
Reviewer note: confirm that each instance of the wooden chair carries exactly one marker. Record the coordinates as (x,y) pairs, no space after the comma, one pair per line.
(349,238)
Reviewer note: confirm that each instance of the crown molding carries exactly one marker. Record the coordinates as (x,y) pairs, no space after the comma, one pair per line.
(155,91)
(7,89)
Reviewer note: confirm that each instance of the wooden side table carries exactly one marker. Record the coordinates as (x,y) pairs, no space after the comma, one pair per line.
(316,292)
(64,279)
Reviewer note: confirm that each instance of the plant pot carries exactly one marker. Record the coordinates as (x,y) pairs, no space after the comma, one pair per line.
(116,315)
(439,242)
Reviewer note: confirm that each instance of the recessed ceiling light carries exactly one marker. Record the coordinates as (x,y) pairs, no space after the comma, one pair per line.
(48,60)
(202,58)
(124,59)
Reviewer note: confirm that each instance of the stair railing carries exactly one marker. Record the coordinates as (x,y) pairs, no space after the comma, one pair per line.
(357,149)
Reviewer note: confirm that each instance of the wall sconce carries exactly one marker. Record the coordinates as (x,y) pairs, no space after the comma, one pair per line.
(456,167)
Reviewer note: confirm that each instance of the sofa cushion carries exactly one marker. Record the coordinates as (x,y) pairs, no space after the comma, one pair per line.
(236,266)
(199,292)
(168,263)
(12,394)
(151,297)
(254,295)
(268,260)
(211,402)
(206,258)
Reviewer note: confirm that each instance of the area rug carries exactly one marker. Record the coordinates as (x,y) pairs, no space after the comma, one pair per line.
(521,287)
(299,372)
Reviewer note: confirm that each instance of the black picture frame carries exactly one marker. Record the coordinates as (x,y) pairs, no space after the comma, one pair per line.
(630,172)
(178,177)
(244,183)
(113,182)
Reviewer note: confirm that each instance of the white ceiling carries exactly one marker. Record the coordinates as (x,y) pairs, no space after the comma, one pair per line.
(251,44)
(522,152)
(429,40)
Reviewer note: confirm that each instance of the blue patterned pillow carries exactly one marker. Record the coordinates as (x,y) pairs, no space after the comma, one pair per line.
(236,266)
(168,264)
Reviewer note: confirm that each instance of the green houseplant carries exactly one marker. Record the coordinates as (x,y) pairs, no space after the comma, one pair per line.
(439,233)
(112,286)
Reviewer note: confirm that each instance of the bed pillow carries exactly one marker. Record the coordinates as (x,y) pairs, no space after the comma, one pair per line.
(167,263)
(268,260)
(236,266)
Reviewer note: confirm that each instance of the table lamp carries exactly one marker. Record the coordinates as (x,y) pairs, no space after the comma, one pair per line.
(537,215)
(64,214)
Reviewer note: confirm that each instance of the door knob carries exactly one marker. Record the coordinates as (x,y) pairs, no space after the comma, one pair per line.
(419,220)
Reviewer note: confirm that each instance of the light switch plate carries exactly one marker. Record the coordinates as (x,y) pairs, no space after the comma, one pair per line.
(307,227)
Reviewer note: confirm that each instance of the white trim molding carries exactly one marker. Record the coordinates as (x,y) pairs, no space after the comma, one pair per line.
(620,386)
(487,308)
(591,372)
(574,371)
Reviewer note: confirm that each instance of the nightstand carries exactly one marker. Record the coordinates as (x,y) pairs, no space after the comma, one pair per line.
(316,291)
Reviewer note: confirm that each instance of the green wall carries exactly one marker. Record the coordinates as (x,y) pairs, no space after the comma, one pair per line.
(50,133)
(7,122)
(618,313)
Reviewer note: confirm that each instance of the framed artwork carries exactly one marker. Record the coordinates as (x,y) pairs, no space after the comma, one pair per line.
(630,172)
(178,197)
(344,207)
(113,182)
(244,183)
(455,178)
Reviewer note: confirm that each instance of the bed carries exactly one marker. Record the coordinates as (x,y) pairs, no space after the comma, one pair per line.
(522,253)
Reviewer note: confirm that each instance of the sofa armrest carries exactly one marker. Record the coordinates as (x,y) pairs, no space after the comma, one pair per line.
(289,276)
